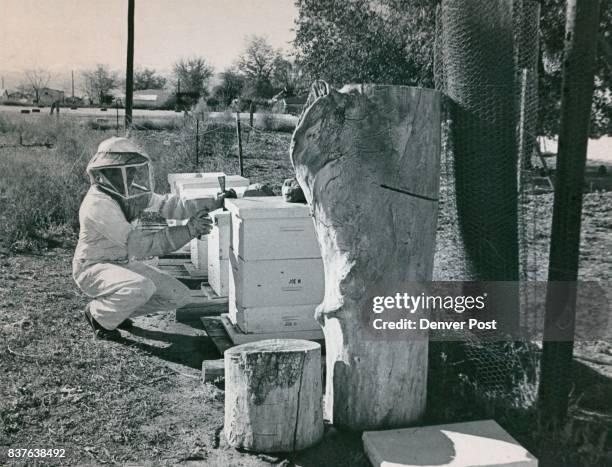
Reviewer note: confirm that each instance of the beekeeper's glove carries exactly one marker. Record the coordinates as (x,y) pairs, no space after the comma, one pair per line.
(222,196)
(200,224)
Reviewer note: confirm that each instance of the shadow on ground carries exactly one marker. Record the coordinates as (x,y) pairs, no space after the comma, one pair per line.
(172,337)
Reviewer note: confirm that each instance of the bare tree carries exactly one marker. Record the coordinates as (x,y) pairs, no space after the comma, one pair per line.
(193,74)
(257,63)
(99,81)
(148,78)
(38,78)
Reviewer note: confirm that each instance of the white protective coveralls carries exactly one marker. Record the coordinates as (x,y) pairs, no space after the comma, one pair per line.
(106,264)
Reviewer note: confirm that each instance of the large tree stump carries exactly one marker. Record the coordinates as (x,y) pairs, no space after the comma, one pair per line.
(367,158)
(273,395)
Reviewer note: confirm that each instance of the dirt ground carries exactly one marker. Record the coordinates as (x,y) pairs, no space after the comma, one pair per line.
(142,400)
(139,401)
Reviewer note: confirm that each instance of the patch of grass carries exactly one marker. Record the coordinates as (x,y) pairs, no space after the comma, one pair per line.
(41,188)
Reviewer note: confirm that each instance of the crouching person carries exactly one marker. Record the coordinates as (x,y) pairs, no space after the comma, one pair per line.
(106,264)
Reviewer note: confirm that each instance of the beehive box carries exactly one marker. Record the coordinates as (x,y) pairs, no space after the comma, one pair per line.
(199,247)
(231,181)
(280,282)
(173,178)
(281,319)
(266,228)
(218,253)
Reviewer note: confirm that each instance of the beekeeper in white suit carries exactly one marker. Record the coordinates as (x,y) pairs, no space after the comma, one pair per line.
(106,264)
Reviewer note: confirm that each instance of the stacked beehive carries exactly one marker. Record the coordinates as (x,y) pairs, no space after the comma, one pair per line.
(174,179)
(198,186)
(218,253)
(276,276)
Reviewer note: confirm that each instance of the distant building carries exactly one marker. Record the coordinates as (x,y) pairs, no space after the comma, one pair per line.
(4,95)
(20,97)
(152,98)
(114,96)
(47,96)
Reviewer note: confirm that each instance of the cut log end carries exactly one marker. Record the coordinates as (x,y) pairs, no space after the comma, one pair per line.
(273,395)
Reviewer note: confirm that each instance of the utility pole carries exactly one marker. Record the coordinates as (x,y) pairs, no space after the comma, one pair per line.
(72,74)
(129,70)
(581,26)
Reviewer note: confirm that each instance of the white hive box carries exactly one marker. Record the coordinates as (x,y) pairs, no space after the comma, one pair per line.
(279,319)
(231,181)
(218,253)
(280,282)
(276,272)
(191,192)
(267,227)
(173,181)
(199,247)
(175,177)
(482,443)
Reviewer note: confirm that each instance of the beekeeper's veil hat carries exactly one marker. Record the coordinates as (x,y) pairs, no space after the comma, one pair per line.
(121,167)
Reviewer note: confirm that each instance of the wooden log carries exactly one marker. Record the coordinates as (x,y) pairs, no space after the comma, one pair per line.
(367,158)
(273,395)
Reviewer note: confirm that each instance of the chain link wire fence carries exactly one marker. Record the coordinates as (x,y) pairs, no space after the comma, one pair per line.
(486,57)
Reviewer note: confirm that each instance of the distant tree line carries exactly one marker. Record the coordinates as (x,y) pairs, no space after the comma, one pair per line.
(392,41)
(258,74)
(353,41)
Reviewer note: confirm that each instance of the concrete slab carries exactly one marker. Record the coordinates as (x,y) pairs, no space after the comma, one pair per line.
(480,443)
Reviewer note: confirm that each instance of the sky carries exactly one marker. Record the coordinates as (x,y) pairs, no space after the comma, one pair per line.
(61,35)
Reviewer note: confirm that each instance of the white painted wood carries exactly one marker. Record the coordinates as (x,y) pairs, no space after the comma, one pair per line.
(231,181)
(280,282)
(218,276)
(270,228)
(199,252)
(200,193)
(219,239)
(266,319)
(480,443)
(238,337)
(218,253)
(368,160)
(174,177)
(273,394)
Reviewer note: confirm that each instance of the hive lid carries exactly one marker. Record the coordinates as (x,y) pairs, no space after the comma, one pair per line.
(191,192)
(231,181)
(195,175)
(266,207)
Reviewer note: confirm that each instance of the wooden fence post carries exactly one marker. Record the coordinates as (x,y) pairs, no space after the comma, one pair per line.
(239,136)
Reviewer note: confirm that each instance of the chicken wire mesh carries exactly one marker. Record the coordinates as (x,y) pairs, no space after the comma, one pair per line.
(486,57)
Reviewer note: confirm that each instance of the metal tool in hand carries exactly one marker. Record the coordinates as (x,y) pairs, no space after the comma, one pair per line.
(221,181)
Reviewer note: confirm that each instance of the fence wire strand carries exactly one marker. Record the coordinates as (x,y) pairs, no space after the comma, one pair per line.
(486,56)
